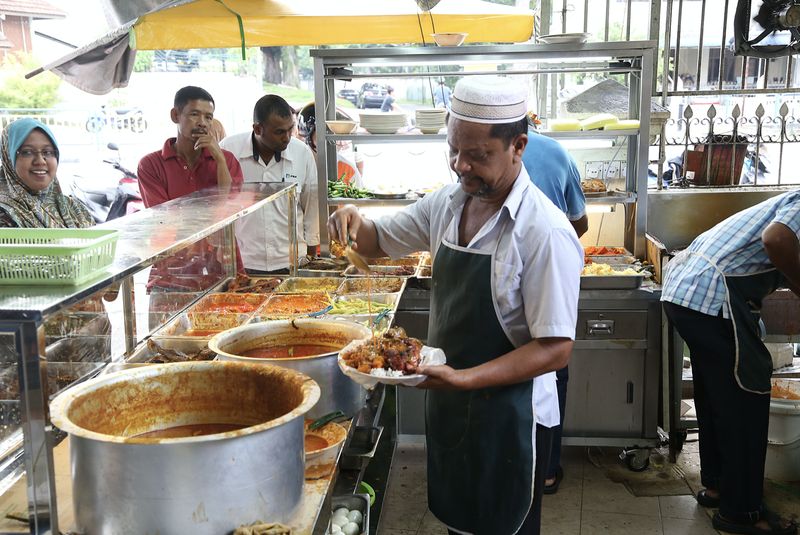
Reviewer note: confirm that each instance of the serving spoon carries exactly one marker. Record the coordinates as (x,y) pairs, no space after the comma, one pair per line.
(356,259)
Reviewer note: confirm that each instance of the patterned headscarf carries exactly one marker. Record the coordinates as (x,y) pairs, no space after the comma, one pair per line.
(48,208)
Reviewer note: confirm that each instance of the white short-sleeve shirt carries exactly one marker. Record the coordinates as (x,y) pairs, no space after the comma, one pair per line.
(263,236)
(536,272)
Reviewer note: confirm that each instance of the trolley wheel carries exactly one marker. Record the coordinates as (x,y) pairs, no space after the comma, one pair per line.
(638,460)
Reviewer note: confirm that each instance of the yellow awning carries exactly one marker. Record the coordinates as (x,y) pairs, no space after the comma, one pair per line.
(213,23)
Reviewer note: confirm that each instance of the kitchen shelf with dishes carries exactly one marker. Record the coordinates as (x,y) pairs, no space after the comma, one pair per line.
(634,59)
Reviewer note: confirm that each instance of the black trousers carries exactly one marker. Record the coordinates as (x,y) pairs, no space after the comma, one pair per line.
(258,272)
(532,523)
(732,422)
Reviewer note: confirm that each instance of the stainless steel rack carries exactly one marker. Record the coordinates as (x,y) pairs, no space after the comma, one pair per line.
(633,59)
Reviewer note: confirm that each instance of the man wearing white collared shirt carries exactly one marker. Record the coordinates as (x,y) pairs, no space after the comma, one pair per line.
(506,278)
(269,153)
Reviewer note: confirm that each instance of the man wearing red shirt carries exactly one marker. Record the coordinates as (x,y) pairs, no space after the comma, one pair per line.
(191,161)
(187,163)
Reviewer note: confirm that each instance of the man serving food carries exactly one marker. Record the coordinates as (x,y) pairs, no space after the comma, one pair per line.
(504,305)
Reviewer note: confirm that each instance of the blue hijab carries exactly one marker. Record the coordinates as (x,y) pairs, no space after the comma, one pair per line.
(27,208)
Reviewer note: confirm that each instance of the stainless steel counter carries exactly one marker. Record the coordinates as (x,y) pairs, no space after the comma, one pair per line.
(144,238)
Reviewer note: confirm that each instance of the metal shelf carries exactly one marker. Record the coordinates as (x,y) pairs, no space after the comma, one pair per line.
(410,138)
(614,197)
(373,202)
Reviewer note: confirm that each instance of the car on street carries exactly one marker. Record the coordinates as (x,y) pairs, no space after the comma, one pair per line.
(371,95)
(349,94)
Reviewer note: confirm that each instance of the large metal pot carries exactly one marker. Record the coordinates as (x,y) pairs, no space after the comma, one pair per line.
(338,392)
(207,484)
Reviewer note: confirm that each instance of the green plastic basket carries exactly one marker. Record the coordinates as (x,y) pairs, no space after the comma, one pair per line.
(54,256)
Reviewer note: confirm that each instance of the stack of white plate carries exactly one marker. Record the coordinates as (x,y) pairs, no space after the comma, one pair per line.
(431,120)
(387,122)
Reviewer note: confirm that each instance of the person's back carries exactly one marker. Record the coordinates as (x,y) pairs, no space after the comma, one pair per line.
(554,171)
(441,96)
(388,101)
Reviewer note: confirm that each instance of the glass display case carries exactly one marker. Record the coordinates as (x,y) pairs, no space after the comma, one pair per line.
(620,156)
(54,336)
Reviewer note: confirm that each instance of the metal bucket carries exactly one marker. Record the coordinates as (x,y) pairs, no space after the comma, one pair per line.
(207,484)
(338,392)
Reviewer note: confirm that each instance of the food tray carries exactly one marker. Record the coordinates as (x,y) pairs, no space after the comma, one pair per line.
(380,285)
(389,299)
(302,272)
(382,271)
(361,447)
(611,282)
(607,259)
(593,251)
(54,256)
(253,285)
(79,323)
(404,261)
(186,345)
(281,306)
(424,272)
(309,285)
(224,310)
(59,376)
(357,502)
(183,327)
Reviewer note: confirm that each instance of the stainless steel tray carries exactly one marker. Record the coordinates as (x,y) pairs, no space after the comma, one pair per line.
(612,259)
(353,502)
(611,282)
(382,271)
(357,285)
(309,285)
(186,345)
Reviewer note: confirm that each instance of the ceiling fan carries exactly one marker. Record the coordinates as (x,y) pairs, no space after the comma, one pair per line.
(773,32)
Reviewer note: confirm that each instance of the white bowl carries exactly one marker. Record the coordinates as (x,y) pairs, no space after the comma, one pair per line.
(341,127)
(449,39)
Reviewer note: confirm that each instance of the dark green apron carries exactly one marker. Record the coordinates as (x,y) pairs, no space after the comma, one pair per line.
(753,367)
(480,443)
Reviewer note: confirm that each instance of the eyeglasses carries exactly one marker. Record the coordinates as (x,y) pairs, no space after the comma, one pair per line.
(30,154)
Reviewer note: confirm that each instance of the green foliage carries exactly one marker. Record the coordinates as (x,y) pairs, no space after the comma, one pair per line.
(41,91)
(144,61)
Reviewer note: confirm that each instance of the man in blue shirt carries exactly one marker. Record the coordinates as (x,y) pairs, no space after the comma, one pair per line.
(712,294)
(441,96)
(555,173)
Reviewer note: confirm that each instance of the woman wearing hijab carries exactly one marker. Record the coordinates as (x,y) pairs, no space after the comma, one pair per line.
(30,195)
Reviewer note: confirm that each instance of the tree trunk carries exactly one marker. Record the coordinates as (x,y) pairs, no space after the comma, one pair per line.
(272,64)
(291,76)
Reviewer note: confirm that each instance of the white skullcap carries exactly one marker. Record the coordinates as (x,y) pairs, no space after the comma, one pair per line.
(489,100)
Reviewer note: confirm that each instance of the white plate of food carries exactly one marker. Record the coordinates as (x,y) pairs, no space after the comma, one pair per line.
(560,38)
(371,354)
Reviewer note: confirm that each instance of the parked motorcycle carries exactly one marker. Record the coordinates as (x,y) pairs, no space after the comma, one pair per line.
(751,175)
(120,119)
(107,199)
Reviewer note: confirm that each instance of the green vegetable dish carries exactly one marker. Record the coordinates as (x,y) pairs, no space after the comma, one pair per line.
(338,189)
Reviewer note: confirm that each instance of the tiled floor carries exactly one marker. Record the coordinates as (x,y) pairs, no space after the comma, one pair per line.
(593,498)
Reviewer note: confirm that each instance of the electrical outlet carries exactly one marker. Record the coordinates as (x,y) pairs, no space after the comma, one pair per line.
(594,169)
(613,170)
